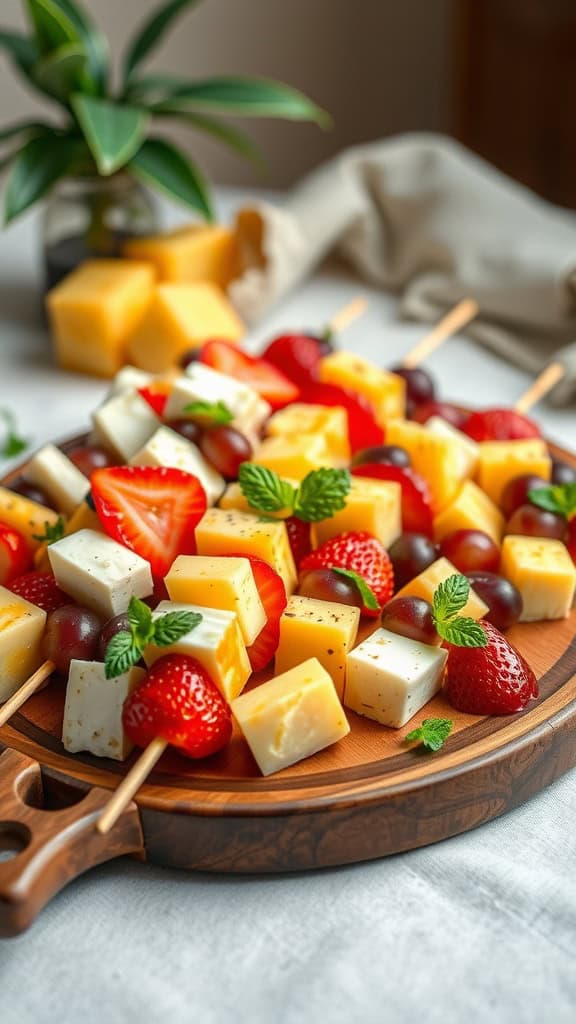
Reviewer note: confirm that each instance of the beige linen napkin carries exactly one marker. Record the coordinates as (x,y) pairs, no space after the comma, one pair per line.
(422,216)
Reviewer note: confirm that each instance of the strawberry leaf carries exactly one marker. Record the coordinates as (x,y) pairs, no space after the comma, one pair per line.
(171,627)
(263,489)
(210,413)
(322,493)
(559,498)
(122,652)
(368,596)
(432,734)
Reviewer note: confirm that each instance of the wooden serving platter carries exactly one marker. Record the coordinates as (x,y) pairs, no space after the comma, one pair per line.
(364,798)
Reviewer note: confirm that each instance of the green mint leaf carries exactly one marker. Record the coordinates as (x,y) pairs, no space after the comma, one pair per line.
(462,632)
(210,413)
(559,498)
(171,627)
(122,652)
(263,489)
(432,734)
(141,625)
(450,597)
(12,444)
(51,533)
(367,594)
(322,493)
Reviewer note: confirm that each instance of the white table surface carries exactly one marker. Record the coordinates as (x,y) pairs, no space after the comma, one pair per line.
(481,927)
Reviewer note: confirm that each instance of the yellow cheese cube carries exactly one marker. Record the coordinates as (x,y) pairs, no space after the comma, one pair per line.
(425,584)
(291,717)
(21,629)
(180,317)
(197,252)
(294,456)
(83,518)
(233,497)
(219,582)
(543,572)
(386,392)
(227,531)
(26,516)
(317,629)
(467,448)
(437,458)
(501,461)
(471,509)
(329,421)
(371,505)
(94,310)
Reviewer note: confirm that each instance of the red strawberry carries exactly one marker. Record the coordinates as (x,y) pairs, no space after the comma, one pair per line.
(273,596)
(363,430)
(41,589)
(451,413)
(15,554)
(491,680)
(156,395)
(265,378)
(416,501)
(153,511)
(179,702)
(299,537)
(297,356)
(363,554)
(500,425)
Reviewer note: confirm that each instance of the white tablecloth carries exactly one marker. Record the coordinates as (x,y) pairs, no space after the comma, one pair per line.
(481,927)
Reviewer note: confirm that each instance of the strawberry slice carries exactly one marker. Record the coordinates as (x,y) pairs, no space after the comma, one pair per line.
(273,596)
(15,554)
(151,510)
(297,356)
(416,503)
(156,395)
(500,425)
(299,538)
(363,430)
(41,589)
(262,376)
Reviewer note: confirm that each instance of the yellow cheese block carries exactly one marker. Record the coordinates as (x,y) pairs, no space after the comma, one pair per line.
(317,629)
(331,422)
(194,253)
(294,456)
(94,310)
(291,717)
(180,317)
(425,584)
(371,505)
(26,516)
(501,461)
(82,518)
(219,582)
(21,630)
(386,392)
(436,457)
(234,498)
(230,532)
(471,509)
(543,572)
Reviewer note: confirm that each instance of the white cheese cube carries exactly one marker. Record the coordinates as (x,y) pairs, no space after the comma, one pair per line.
(216,643)
(468,451)
(389,677)
(291,717)
(54,473)
(98,572)
(167,448)
(124,424)
(213,582)
(129,378)
(21,630)
(202,384)
(93,710)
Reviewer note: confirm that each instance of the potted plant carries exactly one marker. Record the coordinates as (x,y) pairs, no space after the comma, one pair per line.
(101,152)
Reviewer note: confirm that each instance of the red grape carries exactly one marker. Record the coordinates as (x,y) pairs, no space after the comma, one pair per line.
(516,490)
(226,448)
(71,632)
(186,428)
(31,492)
(563,472)
(327,585)
(382,454)
(420,386)
(191,355)
(503,599)
(470,550)
(531,521)
(117,624)
(571,539)
(410,555)
(87,459)
(450,413)
(411,617)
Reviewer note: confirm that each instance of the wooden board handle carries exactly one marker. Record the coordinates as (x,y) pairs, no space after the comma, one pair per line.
(49,848)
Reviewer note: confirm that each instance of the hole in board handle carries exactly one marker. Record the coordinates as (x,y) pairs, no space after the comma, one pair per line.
(14,838)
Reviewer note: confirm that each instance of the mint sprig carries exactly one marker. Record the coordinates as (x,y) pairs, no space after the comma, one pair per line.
(125,648)
(209,413)
(432,734)
(52,532)
(450,597)
(321,493)
(558,498)
(368,596)
(12,443)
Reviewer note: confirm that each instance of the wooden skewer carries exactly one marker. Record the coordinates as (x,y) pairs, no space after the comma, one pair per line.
(541,386)
(350,312)
(26,690)
(130,785)
(450,324)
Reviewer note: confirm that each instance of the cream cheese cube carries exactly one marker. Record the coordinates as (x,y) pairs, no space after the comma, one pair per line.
(291,717)
(228,531)
(468,452)
(124,424)
(543,572)
(129,378)
(54,473)
(203,384)
(389,677)
(325,630)
(21,630)
(167,448)
(93,710)
(98,572)
(219,582)
(216,643)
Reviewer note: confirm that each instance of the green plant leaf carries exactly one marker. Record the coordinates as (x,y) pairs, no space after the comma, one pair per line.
(225,133)
(21,49)
(12,443)
(151,33)
(558,498)
(36,168)
(432,734)
(95,42)
(450,596)
(52,533)
(169,628)
(140,619)
(368,596)
(209,413)
(462,631)
(63,71)
(248,97)
(165,85)
(24,128)
(263,489)
(162,165)
(122,652)
(322,493)
(52,25)
(113,132)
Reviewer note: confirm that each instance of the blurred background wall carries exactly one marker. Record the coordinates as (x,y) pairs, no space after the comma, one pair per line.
(498,74)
